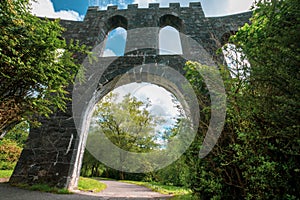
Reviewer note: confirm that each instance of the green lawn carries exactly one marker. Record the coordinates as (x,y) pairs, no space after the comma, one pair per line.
(45,188)
(5,173)
(163,189)
(84,184)
(88,184)
(183,197)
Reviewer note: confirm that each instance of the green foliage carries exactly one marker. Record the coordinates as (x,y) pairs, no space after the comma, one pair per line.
(88,184)
(91,167)
(128,124)
(202,181)
(184,197)
(12,145)
(9,153)
(272,131)
(19,133)
(257,156)
(173,175)
(36,64)
(5,173)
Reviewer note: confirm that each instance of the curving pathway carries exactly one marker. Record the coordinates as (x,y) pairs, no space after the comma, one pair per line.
(115,191)
(127,190)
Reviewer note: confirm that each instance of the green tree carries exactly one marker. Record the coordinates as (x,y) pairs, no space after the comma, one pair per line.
(202,177)
(175,173)
(271,130)
(257,156)
(91,167)
(9,153)
(36,64)
(12,145)
(19,133)
(128,124)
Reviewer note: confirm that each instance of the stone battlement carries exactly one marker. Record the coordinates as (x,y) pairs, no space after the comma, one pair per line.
(131,7)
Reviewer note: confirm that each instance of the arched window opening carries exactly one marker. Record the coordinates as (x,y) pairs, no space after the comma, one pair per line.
(236,61)
(169,41)
(115,43)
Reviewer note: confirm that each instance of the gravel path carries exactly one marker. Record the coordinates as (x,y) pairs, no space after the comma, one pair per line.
(114,191)
(126,190)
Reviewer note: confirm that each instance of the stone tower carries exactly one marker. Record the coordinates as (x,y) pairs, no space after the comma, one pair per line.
(54,151)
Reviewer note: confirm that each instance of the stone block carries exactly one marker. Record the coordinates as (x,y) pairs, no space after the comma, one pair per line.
(174,5)
(113,8)
(153,5)
(195,5)
(132,6)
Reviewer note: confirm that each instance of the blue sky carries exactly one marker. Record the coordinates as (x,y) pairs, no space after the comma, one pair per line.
(79,6)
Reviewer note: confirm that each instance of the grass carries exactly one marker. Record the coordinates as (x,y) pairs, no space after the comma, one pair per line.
(183,197)
(163,189)
(43,188)
(102,178)
(46,188)
(5,173)
(84,184)
(92,185)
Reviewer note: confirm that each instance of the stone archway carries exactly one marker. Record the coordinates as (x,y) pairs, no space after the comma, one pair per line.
(54,151)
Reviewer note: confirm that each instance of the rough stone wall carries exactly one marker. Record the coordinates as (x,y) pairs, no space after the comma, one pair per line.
(54,151)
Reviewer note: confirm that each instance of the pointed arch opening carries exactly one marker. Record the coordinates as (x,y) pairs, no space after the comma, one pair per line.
(169,41)
(169,35)
(116,35)
(115,43)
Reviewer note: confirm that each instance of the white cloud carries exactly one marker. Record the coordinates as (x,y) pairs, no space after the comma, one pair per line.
(210,7)
(225,7)
(161,99)
(119,32)
(45,8)
(144,3)
(161,102)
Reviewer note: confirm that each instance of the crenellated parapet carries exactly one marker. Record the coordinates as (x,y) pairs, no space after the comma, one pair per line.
(212,32)
(151,6)
(153,9)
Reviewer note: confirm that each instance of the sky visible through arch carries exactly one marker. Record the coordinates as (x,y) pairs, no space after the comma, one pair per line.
(76,9)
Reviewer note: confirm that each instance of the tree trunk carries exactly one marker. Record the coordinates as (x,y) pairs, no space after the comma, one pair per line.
(121,175)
